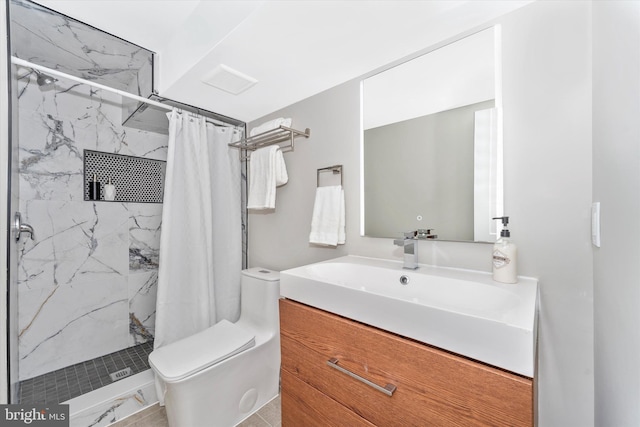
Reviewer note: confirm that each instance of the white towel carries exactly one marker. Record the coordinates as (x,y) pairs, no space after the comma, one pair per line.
(271,124)
(267,170)
(327,223)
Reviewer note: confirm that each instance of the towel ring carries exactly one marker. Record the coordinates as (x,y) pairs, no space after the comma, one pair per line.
(336,169)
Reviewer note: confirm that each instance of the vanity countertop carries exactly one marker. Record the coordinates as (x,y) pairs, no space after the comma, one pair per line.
(458,310)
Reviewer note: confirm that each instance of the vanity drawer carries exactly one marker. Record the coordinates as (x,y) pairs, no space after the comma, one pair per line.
(434,387)
(303,405)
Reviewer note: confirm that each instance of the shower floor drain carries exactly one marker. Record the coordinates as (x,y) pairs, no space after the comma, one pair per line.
(118,375)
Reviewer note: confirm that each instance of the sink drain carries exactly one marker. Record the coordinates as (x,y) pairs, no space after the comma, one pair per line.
(404,279)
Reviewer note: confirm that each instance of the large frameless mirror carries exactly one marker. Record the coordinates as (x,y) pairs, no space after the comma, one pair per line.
(432,145)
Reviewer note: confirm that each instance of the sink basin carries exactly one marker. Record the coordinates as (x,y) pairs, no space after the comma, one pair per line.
(461,311)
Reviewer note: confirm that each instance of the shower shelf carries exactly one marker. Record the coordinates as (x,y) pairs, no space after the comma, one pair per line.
(137,179)
(270,137)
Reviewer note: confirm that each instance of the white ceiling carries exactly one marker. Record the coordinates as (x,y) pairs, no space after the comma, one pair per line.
(294,49)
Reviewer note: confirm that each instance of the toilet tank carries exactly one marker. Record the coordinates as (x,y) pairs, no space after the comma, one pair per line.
(259,296)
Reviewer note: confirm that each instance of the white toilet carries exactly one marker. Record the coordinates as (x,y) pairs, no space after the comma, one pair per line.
(222,375)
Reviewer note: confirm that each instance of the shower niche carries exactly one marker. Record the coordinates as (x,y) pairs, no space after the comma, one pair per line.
(136,179)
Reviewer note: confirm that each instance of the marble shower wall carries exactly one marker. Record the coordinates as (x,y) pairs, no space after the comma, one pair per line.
(48,38)
(87,282)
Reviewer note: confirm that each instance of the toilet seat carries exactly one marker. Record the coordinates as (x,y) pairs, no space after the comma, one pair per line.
(187,356)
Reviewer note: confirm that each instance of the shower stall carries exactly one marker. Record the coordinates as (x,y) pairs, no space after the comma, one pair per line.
(83,284)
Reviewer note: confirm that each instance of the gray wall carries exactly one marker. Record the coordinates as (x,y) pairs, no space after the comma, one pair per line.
(616,170)
(548,190)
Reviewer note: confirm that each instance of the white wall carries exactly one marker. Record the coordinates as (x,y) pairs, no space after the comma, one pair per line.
(547,134)
(616,153)
(548,155)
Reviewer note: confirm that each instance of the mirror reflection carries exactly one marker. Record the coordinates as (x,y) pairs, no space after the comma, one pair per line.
(431,152)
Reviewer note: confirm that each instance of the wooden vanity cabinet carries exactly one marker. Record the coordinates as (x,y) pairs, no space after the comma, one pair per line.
(433,387)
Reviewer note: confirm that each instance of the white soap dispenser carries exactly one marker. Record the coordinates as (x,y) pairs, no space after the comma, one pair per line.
(109,191)
(505,256)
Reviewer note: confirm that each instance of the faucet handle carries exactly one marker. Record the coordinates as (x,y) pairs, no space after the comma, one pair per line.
(409,234)
(424,233)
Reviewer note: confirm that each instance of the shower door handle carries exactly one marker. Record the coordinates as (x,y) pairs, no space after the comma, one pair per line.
(20,228)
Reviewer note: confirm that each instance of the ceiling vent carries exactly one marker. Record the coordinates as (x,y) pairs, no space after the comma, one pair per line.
(229,80)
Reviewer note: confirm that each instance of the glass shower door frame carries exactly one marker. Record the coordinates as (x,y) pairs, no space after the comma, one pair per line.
(8,251)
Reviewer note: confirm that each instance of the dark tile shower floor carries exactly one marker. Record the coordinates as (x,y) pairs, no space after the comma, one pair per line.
(73,381)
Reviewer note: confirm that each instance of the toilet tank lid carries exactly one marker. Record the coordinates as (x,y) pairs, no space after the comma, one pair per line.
(187,356)
(262,273)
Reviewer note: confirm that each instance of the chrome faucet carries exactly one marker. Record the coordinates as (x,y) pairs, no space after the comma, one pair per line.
(410,250)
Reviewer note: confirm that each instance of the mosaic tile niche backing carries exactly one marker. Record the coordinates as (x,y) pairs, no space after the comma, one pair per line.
(136,179)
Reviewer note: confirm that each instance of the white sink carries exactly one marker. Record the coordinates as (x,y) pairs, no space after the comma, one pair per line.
(461,311)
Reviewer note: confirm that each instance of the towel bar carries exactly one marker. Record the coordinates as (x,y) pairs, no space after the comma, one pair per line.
(270,137)
(336,169)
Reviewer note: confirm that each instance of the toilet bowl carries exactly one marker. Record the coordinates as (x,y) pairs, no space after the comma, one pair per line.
(220,376)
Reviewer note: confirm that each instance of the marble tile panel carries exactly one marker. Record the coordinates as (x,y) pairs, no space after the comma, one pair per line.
(143,287)
(144,235)
(67,100)
(50,163)
(35,274)
(116,409)
(63,325)
(51,153)
(142,143)
(51,148)
(57,41)
(74,241)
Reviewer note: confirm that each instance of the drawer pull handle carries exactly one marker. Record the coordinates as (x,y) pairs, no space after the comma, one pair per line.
(388,389)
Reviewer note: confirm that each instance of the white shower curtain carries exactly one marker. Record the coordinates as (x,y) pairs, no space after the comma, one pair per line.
(201,239)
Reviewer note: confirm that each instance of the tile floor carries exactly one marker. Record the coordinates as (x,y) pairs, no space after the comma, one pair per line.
(156,416)
(72,381)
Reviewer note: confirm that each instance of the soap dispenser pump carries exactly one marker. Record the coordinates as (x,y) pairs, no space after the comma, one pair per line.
(505,254)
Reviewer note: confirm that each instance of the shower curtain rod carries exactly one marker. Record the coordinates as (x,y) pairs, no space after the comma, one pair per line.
(57,73)
(51,71)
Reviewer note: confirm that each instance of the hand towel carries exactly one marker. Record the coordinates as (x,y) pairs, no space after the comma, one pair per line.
(271,124)
(267,170)
(328,220)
